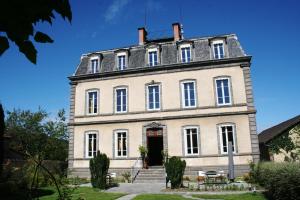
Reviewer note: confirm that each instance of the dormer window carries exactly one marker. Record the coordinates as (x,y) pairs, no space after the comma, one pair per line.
(94,65)
(185,53)
(218,49)
(121,57)
(153,57)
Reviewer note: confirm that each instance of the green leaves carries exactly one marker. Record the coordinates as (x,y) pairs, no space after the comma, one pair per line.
(19,18)
(42,38)
(29,50)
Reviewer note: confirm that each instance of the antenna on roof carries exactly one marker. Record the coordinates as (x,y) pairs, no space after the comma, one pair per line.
(180,20)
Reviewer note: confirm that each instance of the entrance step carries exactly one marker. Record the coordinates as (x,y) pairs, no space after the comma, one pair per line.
(151,175)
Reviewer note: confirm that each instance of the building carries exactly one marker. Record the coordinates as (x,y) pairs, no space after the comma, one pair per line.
(288,130)
(188,97)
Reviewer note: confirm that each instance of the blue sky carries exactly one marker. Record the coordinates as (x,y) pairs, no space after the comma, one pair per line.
(267,30)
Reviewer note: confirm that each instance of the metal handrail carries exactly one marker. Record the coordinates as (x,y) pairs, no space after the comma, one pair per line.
(135,169)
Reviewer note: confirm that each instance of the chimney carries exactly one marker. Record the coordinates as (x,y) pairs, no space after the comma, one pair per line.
(142,35)
(176,31)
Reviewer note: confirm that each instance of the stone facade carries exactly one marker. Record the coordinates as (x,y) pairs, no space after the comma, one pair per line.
(172,118)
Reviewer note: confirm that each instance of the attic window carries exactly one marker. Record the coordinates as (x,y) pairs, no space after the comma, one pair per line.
(218,49)
(185,53)
(121,61)
(153,57)
(94,65)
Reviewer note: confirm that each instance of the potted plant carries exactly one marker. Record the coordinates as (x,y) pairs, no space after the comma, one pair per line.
(143,152)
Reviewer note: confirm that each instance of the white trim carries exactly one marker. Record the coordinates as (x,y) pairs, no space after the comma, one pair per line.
(116,105)
(154,102)
(185,46)
(98,64)
(223,92)
(116,144)
(189,95)
(213,47)
(93,102)
(87,143)
(191,140)
(148,56)
(226,132)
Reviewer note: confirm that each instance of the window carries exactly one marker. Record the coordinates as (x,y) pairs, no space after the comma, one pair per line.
(152,57)
(223,91)
(92,102)
(153,97)
(185,53)
(121,61)
(94,65)
(121,143)
(191,140)
(218,47)
(121,99)
(188,94)
(90,144)
(227,135)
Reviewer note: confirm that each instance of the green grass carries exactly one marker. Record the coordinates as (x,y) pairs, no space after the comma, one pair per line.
(160,197)
(86,193)
(245,196)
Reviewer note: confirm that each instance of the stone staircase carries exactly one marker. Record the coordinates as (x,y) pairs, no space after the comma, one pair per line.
(155,174)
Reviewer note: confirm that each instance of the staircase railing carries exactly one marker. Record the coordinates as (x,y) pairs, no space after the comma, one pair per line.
(135,169)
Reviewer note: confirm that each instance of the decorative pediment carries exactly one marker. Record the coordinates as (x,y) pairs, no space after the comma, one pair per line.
(154,125)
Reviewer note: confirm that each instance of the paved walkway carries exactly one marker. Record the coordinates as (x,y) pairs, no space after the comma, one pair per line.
(138,188)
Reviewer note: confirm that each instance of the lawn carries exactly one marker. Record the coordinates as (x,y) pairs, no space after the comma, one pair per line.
(246,196)
(160,197)
(86,193)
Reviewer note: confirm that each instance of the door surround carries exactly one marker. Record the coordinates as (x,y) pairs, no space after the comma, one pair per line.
(155,125)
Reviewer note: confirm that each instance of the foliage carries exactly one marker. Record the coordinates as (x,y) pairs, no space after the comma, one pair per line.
(175,169)
(126,176)
(143,151)
(2,128)
(34,135)
(18,20)
(99,168)
(165,156)
(246,196)
(288,143)
(281,180)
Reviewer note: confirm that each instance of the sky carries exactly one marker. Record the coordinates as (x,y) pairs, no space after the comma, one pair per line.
(267,30)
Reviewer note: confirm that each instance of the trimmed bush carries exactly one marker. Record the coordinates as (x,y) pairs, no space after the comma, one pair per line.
(175,169)
(281,180)
(99,168)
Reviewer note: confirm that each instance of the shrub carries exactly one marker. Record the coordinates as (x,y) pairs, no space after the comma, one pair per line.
(99,167)
(127,176)
(281,180)
(175,169)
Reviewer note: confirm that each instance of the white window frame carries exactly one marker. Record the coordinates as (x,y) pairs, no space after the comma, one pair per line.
(186,46)
(125,58)
(116,98)
(87,143)
(189,98)
(116,144)
(157,53)
(223,91)
(96,70)
(221,137)
(93,104)
(159,97)
(213,47)
(185,141)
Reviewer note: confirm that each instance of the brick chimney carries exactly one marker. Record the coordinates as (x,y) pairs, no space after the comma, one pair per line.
(142,35)
(176,31)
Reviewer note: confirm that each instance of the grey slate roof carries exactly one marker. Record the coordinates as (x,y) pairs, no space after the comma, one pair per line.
(268,134)
(168,54)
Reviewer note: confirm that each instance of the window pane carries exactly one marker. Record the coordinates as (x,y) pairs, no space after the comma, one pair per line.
(216,51)
(221,51)
(155,58)
(188,54)
(124,100)
(224,138)
(195,142)
(183,54)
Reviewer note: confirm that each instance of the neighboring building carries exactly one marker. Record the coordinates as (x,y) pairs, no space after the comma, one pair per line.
(188,97)
(288,127)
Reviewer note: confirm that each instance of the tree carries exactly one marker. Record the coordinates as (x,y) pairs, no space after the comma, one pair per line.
(19,18)
(287,143)
(2,128)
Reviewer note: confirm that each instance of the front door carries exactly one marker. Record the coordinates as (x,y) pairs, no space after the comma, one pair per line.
(155,146)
